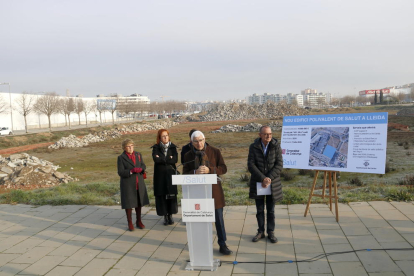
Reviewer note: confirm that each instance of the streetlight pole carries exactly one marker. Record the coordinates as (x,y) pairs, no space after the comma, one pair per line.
(11,109)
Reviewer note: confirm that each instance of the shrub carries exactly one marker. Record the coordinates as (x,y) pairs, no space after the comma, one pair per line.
(356,181)
(406,145)
(303,172)
(400,196)
(288,176)
(407,180)
(408,153)
(311,173)
(244,177)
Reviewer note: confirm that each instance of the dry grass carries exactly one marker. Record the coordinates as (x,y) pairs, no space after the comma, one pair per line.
(96,164)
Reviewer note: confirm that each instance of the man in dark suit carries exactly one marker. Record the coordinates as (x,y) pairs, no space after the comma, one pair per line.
(265,164)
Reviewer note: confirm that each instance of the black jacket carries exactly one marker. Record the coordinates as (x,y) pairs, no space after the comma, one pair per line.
(261,166)
(164,168)
(184,150)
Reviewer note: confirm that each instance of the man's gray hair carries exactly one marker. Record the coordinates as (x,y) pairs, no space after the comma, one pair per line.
(262,127)
(197,134)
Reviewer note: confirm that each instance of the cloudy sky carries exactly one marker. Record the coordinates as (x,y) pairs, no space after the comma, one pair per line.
(197,50)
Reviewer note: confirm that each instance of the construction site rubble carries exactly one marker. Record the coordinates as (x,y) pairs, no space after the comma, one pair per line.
(251,127)
(72,141)
(237,111)
(23,171)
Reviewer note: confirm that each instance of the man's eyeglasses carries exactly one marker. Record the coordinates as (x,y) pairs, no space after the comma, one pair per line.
(198,141)
(266,134)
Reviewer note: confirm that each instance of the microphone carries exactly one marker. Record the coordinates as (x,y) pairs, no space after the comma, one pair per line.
(176,171)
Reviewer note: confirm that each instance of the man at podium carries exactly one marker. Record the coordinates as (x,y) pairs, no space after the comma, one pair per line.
(208,159)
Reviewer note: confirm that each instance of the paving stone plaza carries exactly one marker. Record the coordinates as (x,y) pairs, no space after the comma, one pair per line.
(93,240)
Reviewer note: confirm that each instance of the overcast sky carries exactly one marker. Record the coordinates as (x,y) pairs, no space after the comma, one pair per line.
(197,50)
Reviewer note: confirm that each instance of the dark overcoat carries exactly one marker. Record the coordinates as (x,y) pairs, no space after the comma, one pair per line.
(261,166)
(164,167)
(216,165)
(127,184)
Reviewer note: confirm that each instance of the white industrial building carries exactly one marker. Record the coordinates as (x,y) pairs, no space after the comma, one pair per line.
(13,119)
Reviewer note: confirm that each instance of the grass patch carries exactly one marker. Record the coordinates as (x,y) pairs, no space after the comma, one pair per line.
(71,193)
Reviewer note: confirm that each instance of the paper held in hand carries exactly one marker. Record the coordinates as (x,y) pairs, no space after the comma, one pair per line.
(263,191)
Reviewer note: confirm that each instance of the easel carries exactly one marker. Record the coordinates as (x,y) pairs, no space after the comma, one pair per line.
(331,175)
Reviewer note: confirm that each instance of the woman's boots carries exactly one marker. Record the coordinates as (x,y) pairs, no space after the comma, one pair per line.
(129,218)
(168,220)
(139,223)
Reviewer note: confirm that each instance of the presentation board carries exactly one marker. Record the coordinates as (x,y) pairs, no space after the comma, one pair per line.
(354,142)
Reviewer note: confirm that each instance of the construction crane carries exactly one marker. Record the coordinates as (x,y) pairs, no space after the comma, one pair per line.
(162,97)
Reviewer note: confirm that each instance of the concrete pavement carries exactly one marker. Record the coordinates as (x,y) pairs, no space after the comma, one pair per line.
(92,240)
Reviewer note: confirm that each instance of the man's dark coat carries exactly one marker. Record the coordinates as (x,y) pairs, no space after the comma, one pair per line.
(261,166)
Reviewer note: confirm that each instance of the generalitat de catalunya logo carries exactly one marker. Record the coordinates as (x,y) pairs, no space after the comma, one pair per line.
(197,206)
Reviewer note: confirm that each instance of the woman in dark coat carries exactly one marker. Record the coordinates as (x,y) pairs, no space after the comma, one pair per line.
(131,168)
(165,156)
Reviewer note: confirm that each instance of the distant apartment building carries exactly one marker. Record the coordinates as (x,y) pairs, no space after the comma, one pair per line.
(317,99)
(308,91)
(308,97)
(266,97)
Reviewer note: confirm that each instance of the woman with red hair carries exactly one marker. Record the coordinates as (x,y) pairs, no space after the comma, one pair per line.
(165,156)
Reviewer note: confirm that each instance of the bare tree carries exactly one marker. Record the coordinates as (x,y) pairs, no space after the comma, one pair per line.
(25,105)
(67,106)
(347,100)
(88,107)
(48,105)
(79,108)
(3,105)
(112,107)
(400,97)
(103,106)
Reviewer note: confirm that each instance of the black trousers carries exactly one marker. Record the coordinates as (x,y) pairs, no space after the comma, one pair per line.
(166,206)
(260,215)
(221,231)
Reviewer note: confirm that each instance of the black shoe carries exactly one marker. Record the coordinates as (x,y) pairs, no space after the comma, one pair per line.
(258,236)
(170,220)
(165,220)
(225,250)
(272,237)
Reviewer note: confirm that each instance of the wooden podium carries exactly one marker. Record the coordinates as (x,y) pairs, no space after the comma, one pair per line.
(331,175)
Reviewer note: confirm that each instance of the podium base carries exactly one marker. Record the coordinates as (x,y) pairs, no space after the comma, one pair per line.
(216,264)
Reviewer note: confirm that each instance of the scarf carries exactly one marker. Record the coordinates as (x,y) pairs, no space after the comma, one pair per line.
(201,157)
(165,147)
(132,157)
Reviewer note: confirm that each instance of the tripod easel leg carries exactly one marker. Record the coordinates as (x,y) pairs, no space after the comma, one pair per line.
(336,197)
(311,192)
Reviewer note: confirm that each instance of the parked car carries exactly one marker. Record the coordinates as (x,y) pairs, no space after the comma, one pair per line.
(5,131)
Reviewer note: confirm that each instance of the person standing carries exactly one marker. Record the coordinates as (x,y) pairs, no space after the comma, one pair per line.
(131,168)
(187,147)
(165,156)
(265,164)
(207,159)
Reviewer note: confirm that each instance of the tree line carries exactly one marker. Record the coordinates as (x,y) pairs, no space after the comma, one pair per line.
(51,103)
